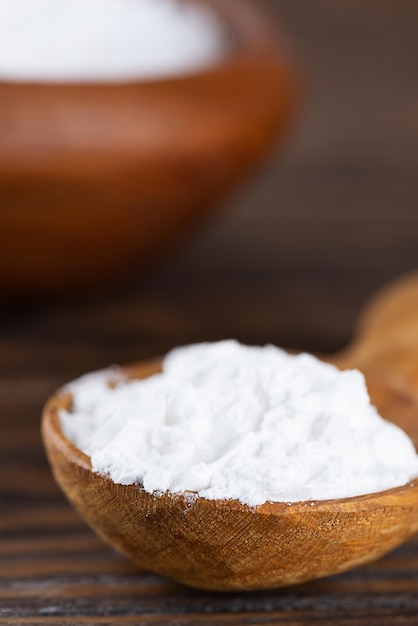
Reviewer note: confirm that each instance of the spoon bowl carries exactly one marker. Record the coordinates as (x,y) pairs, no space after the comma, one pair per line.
(224,545)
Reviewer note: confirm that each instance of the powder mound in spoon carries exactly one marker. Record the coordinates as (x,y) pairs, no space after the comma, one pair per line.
(229,421)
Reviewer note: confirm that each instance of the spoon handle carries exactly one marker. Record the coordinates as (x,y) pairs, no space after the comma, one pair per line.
(391,320)
(386,350)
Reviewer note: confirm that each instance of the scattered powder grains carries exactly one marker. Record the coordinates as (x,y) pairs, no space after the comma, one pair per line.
(105,40)
(250,423)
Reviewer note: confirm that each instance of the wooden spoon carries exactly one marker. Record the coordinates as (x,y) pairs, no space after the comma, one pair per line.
(224,545)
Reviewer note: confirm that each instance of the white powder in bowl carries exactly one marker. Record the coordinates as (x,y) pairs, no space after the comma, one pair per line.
(105,40)
(249,423)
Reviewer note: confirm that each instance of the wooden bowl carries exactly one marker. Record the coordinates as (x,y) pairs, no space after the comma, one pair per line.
(225,545)
(95,179)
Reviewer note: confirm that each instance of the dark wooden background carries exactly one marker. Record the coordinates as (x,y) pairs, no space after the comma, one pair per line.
(292,260)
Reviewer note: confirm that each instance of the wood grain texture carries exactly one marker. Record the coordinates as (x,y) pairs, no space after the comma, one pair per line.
(291,262)
(118,172)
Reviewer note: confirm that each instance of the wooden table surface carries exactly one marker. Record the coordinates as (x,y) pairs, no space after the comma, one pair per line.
(292,262)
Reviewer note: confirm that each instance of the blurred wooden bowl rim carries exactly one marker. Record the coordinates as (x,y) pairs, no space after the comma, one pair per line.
(97,178)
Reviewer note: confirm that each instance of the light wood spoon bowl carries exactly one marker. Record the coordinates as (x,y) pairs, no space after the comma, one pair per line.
(224,545)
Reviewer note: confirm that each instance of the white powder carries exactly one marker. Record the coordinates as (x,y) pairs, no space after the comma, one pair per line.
(248,423)
(105,40)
